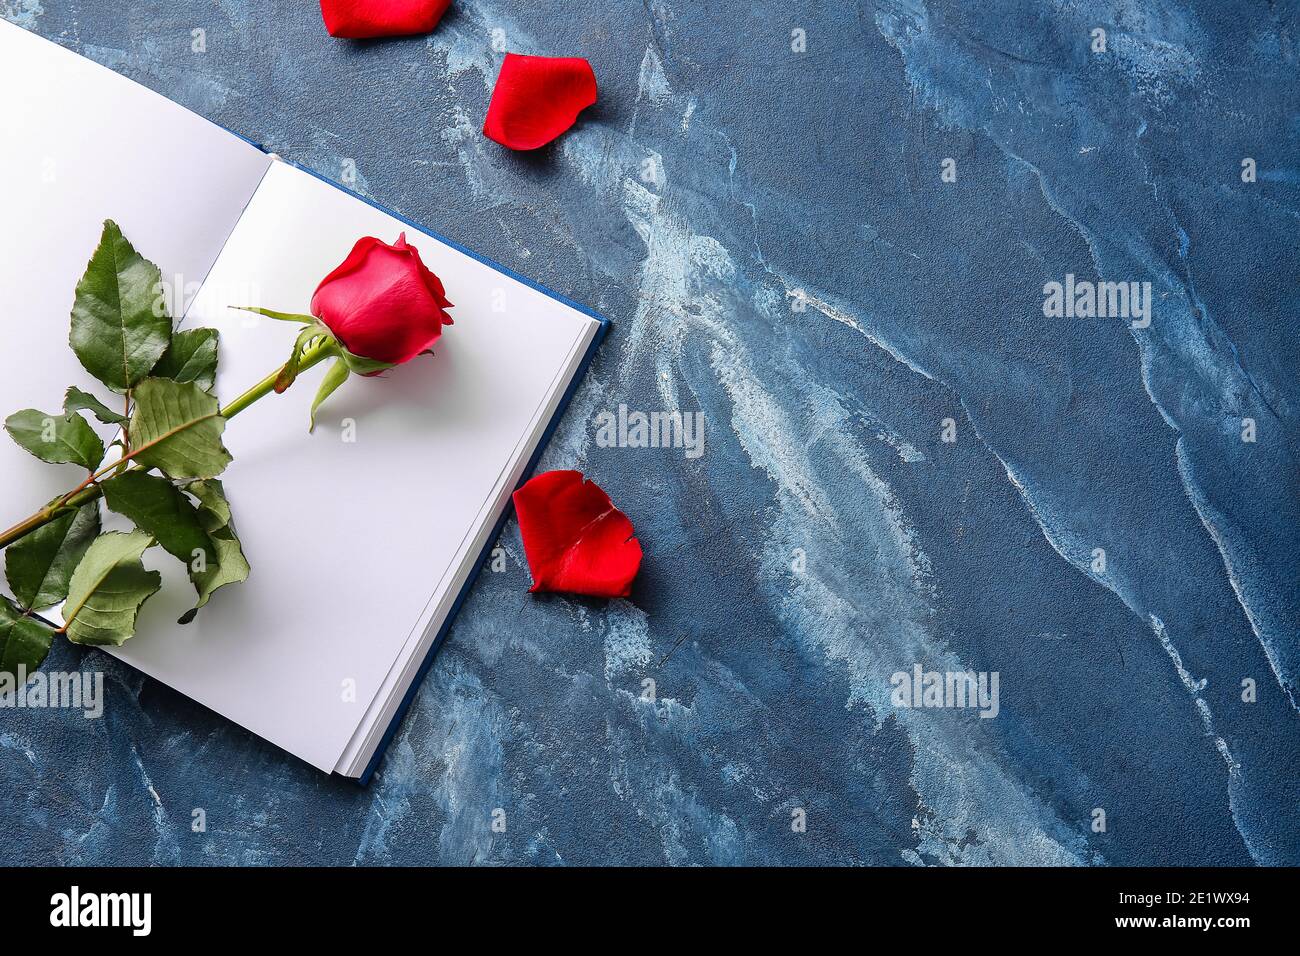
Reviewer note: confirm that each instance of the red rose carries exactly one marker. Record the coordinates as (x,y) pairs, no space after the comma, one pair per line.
(536,98)
(358,19)
(382,303)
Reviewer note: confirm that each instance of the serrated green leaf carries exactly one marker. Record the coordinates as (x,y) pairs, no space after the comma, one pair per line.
(23,640)
(192,357)
(40,565)
(177,428)
(231,566)
(118,332)
(335,376)
(58,439)
(108,588)
(75,400)
(214,506)
(157,506)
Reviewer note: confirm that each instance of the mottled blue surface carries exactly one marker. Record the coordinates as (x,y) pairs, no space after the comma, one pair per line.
(720,172)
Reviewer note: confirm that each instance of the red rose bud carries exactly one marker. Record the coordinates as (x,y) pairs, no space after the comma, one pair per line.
(382,303)
(575,540)
(536,98)
(358,19)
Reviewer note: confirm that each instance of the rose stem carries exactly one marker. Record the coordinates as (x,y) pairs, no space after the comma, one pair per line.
(89,490)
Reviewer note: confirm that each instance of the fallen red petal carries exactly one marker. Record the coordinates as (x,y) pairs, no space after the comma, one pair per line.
(536,98)
(574,538)
(361,19)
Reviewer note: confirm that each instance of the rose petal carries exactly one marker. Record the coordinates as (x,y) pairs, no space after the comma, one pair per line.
(359,19)
(574,538)
(536,98)
(431,281)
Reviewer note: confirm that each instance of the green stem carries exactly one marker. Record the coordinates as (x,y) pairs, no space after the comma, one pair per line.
(62,505)
(91,491)
(314,355)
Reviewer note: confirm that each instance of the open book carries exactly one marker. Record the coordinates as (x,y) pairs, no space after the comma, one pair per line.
(362,537)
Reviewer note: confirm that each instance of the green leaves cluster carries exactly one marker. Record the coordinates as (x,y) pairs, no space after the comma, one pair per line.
(160,469)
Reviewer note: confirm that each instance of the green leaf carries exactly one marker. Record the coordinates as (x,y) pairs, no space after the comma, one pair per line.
(279,316)
(118,332)
(192,357)
(214,506)
(56,438)
(75,400)
(157,506)
(202,537)
(108,588)
(335,376)
(177,428)
(40,565)
(231,566)
(23,640)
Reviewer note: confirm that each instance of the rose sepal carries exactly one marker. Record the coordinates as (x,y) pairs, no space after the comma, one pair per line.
(278,316)
(314,334)
(346,365)
(360,365)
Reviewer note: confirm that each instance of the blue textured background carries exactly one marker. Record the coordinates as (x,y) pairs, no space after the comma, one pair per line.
(719,172)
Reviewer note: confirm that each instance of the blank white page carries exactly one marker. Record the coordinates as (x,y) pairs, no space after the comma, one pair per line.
(81,144)
(355,546)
